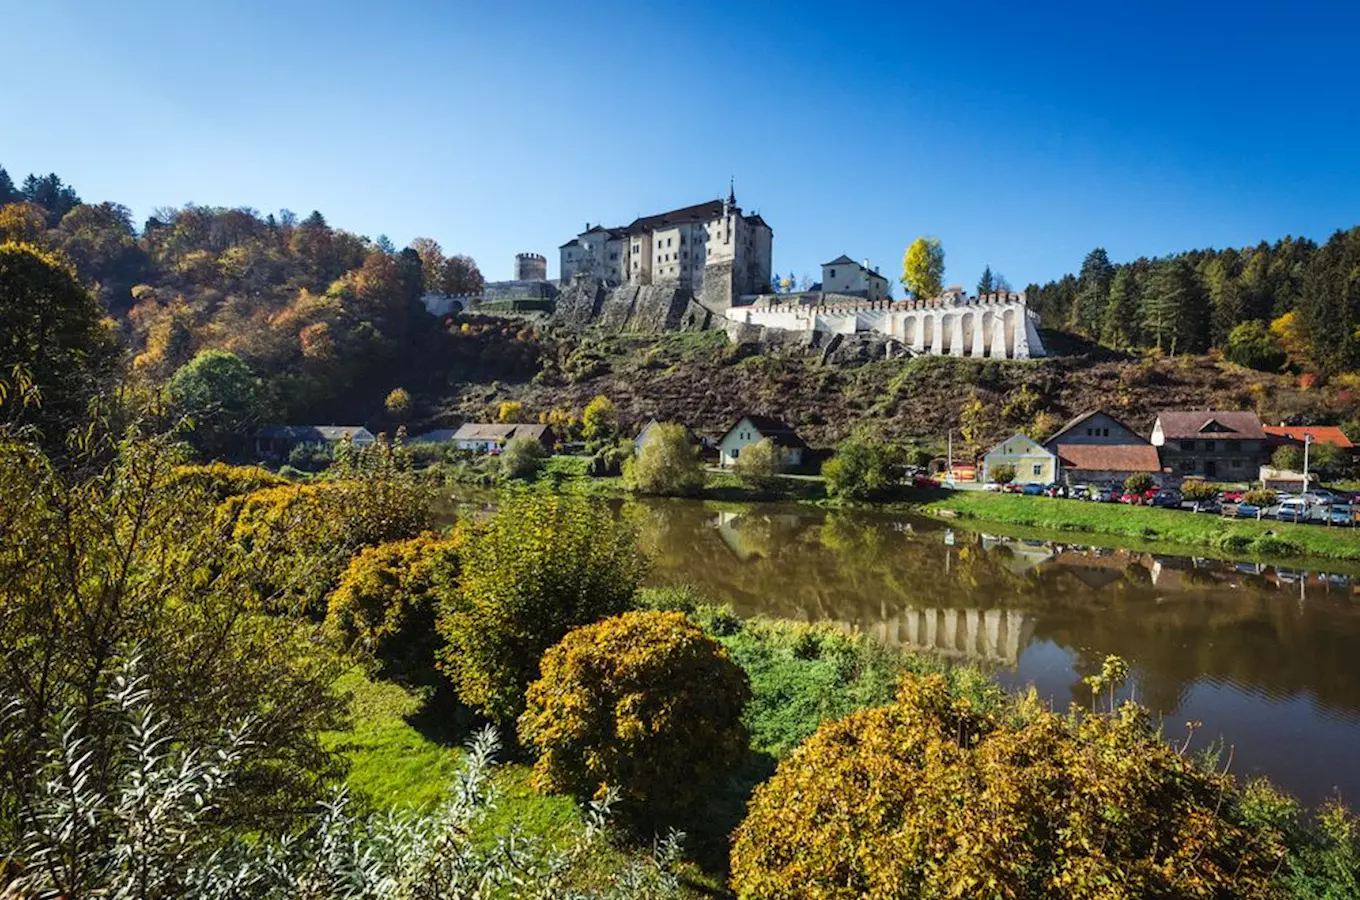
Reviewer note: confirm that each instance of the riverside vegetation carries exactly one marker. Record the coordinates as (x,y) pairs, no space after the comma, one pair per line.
(182,710)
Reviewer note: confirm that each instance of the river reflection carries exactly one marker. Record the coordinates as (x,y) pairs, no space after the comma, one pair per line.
(1267,658)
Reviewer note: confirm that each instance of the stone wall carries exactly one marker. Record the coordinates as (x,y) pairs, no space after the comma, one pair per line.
(665,306)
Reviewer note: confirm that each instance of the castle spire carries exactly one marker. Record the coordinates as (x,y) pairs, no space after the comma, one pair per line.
(732,191)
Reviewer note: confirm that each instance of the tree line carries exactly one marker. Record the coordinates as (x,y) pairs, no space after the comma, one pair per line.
(317,314)
(1293,303)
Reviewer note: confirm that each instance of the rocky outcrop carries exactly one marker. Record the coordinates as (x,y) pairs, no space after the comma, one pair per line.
(666,306)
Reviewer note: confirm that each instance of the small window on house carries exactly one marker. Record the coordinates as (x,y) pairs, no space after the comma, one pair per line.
(833,273)
(1038,469)
(1187,445)
(733,452)
(1237,464)
(668,242)
(1209,445)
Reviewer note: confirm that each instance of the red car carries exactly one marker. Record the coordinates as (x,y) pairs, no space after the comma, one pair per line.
(922,481)
(1231,496)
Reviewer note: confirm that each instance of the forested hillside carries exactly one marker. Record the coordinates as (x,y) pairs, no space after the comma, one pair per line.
(326,319)
(1291,303)
(310,323)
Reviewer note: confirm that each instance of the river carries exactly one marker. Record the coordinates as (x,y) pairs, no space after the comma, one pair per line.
(1265,658)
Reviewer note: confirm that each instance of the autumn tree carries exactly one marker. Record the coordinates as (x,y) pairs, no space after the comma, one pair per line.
(22,222)
(459,275)
(431,262)
(398,403)
(600,421)
(923,268)
(667,463)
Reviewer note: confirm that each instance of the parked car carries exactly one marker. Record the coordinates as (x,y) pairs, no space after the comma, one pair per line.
(1079,491)
(1321,497)
(1055,490)
(1231,496)
(1341,514)
(1012,488)
(993,487)
(1166,500)
(1033,490)
(1294,510)
(1242,511)
(1101,495)
(1212,505)
(921,481)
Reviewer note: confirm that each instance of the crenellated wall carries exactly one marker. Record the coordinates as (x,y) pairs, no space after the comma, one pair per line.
(998,326)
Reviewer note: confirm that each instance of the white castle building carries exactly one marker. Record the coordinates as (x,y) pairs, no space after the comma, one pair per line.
(997,326)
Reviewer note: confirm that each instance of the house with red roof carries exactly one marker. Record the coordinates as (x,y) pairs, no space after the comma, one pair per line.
(1097,448)
(1228,445)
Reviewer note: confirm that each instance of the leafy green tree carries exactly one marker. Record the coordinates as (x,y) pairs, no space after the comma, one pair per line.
(1326,457)
(667,464)
(986,284)
(1288,457)
(600,421)
(1254,345)
(1002,474)
(860,470)
(522,457)
(51,330)
(222,399)
(759,464)
(543,566)
(923,268)
(645,703)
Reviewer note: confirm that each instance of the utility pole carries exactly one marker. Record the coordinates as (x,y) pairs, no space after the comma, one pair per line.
(949,459)
(1307,442)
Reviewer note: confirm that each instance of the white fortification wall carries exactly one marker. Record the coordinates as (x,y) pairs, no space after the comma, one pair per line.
(997,326)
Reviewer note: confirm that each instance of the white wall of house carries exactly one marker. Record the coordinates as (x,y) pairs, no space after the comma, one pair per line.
(744,435)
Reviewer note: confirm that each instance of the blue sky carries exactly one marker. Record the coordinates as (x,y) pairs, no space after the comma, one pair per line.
(1022,135)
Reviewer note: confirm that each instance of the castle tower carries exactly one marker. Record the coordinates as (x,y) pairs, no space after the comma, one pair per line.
(531,267)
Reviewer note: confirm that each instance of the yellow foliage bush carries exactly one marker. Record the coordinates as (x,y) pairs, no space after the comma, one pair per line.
(927,798)
(644,702)
(384,606)
(223,480)
(318,526)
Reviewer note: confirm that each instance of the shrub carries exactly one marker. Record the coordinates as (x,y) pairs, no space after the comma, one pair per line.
(1198,490)
(398,402)
(928,797)
(1139,483)
(510,411)
(323,523)
(1262,497)
(311,457)
(1287,457)
(522,458)
(384,605)
(221,480)
(644,702)
(1002,474)
(667,464)
(609,459)
(600,421)
(759,463)
(1252,344)
(860,470)
(543,566)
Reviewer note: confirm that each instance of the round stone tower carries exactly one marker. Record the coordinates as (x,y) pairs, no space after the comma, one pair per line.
(531,267)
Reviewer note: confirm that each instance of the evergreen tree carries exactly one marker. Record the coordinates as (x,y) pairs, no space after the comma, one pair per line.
(1168,305)
(8,192)
(1329,310)
(48,192)
(1093,292)
(1120,325)
(986,284)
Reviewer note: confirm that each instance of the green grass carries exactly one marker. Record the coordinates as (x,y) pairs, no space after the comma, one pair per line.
(403,750)
(1242,537)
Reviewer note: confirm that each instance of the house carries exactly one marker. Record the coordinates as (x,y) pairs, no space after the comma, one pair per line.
(1223,444)
(484,437)
(753,429)
(1321,434)
(642,435)
(1097,448)
(1034,463)
(845,276)
(276,441)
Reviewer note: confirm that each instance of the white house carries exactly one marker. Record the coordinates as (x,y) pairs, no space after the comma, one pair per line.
(751,430)
(845,276)
(490,438)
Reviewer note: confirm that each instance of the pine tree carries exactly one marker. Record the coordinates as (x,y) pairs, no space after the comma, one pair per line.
(8,193)
(986,284)
(1168,298)
(1093,292)
(1120,325)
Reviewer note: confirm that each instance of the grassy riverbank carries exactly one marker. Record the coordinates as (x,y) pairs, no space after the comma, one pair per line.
(1236,536)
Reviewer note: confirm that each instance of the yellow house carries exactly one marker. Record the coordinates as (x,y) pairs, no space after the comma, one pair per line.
(1033,463)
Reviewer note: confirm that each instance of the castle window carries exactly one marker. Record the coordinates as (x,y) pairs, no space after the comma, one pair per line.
(833,273)
(668,242)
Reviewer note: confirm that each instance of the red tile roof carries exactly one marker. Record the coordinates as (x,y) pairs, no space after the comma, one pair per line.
(1110,457)
(1322,434)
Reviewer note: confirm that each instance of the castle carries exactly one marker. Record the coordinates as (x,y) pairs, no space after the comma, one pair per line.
(711,248)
